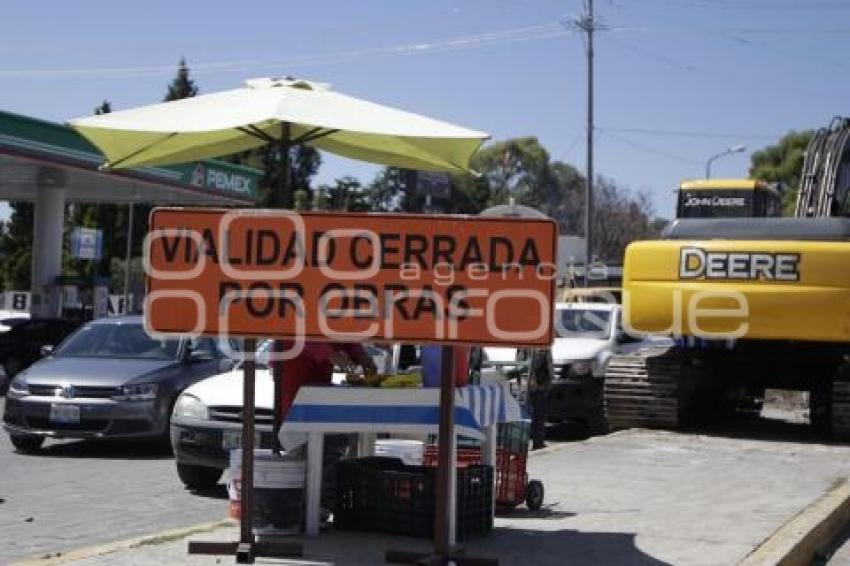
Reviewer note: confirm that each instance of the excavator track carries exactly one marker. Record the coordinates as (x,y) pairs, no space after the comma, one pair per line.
(643,389)
(840,404)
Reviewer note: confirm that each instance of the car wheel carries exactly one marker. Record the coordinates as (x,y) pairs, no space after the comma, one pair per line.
(198,477)
(26,443)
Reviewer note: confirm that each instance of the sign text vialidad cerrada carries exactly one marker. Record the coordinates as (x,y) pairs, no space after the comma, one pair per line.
(351,276)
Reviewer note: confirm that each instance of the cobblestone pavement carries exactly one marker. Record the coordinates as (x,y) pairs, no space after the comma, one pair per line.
(77,494)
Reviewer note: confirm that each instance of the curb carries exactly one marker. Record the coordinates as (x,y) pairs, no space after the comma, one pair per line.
(807,534)
(64,557)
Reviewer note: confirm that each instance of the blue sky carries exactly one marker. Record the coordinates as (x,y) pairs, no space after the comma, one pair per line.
(677,80)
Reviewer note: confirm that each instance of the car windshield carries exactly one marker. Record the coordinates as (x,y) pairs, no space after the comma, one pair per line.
(583,323)
(117,340)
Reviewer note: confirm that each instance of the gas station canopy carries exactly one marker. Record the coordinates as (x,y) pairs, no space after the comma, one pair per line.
(50,165)
(35,154)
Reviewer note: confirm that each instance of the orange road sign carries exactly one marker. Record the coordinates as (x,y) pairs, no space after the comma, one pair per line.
(351,276)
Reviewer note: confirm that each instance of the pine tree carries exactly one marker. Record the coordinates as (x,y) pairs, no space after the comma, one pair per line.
(182,86)
(102,216)
(104,108)
(16,247)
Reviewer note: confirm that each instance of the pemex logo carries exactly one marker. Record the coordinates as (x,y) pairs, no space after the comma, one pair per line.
(199,175)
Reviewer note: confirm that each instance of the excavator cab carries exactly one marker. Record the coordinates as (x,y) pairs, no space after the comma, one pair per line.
(728,198)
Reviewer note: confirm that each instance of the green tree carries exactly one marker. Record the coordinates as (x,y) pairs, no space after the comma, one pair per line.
(104,108)
(522,169)
(183,86)
(390,191)
(16,247)
(113,220)
(518,168)
(346,194)
(394,190)
(783,163)
(304,164)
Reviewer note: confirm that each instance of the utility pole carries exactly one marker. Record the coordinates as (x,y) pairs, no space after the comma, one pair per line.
(588,25)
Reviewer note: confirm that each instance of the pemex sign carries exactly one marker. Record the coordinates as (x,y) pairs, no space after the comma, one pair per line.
(326,276)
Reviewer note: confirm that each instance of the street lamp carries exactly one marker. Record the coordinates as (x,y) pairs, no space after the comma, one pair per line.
(734,149)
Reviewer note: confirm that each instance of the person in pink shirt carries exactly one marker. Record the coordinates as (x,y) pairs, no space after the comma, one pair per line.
(314,365)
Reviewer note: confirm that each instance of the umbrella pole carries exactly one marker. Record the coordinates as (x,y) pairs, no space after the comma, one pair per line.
(283,188)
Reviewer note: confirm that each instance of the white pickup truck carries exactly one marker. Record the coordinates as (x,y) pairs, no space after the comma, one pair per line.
(587,334)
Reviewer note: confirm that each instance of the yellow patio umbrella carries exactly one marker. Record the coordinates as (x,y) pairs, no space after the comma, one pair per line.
(273,110)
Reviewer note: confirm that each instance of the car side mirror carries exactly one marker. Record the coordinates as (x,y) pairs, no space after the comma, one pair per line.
(46,350)
(624,337)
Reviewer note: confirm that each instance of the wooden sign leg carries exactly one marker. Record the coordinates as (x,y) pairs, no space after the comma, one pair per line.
(277,409)
(246,536)
(443,521)
(445,549)
(246,548)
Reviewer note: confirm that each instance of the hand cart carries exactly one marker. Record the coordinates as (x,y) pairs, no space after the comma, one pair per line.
(511,474)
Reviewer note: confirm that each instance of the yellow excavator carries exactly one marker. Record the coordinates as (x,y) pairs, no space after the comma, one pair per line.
(751,302)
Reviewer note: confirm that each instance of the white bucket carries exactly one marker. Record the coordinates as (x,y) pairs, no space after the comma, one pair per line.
(411,452)
(271,472)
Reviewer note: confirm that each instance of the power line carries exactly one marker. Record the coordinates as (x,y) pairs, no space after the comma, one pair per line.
(570,147)
(648,149)
(653,55)
(469,41)
(691,134)
(771,5)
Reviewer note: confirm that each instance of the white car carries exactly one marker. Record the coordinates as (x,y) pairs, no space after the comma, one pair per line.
(9,319)
(206,423)
(587,335)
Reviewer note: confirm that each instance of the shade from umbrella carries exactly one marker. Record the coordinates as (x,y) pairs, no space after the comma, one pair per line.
(244,118)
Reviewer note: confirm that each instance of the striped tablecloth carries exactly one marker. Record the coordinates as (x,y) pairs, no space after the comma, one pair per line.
(411,410)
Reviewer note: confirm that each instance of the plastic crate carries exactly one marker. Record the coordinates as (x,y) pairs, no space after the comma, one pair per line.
(514,436)
(384,495)
(511,477)
(465,456)
(463,442)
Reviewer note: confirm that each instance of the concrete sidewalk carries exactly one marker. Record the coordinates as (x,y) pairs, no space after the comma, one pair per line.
(635,497)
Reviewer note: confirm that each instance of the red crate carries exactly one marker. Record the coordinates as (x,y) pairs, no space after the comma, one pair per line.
(511,476)
(465,456)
